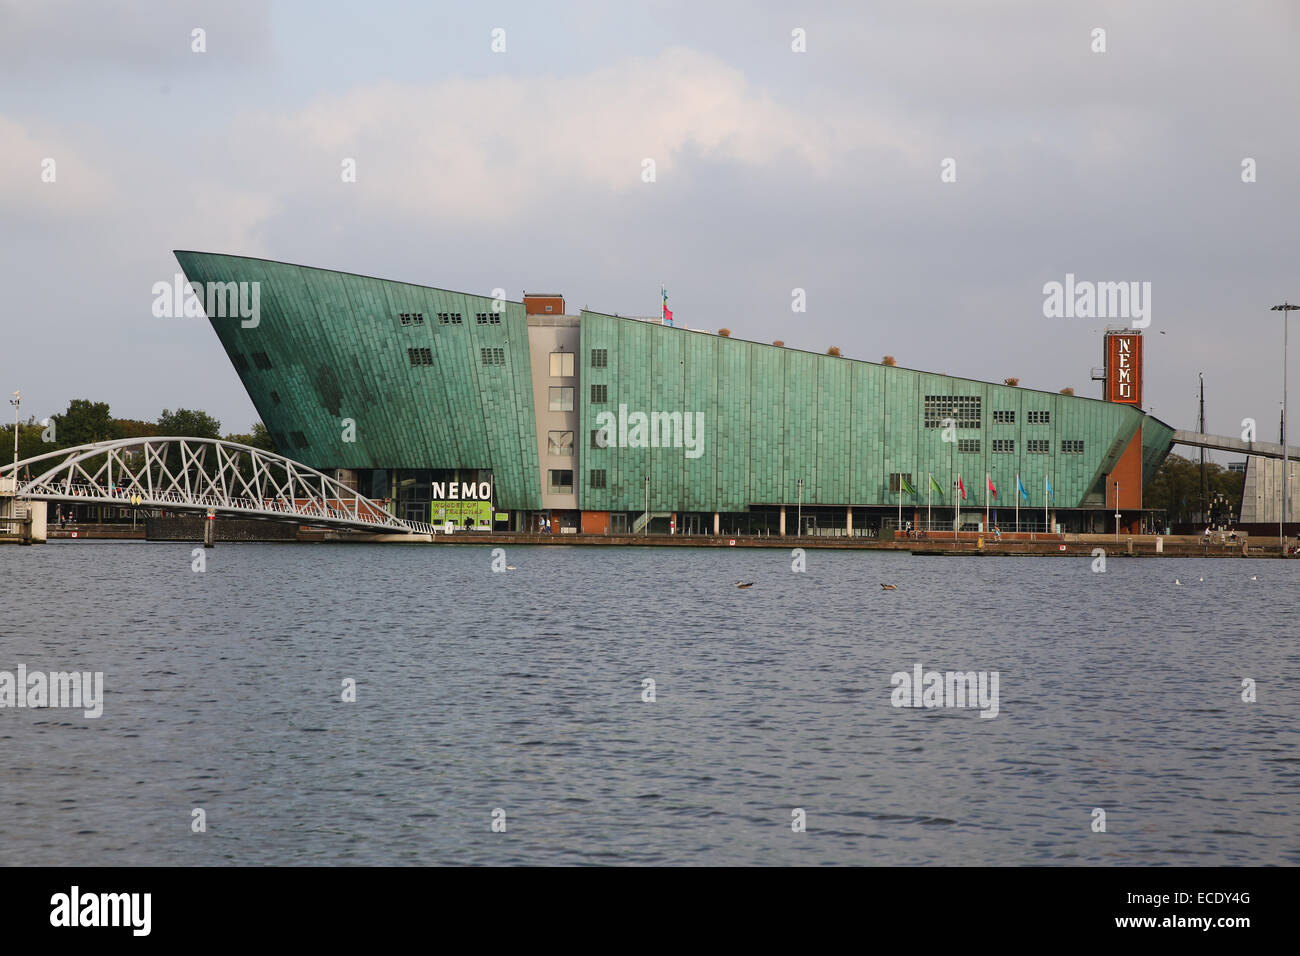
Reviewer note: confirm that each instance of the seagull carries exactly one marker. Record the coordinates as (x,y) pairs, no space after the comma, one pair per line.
(744,584)
(511,567)
(1202,581)
(1178,582)
(890,587)
(1254,577)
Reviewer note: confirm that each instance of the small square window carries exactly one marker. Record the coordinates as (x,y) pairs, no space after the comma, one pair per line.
(562,365)
(559,443)
(560,481)
(600,358)
(599,394)
(598,478)
(561,398)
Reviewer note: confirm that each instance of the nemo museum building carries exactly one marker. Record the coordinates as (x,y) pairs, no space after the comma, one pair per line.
(518,416)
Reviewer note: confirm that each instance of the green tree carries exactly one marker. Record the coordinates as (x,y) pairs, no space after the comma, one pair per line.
(188,423)
(257,437)
(1176,488)
(83,423)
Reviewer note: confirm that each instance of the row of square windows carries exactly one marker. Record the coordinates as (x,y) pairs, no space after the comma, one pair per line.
(965,411)
(488,356)
(449,318)
(559,481)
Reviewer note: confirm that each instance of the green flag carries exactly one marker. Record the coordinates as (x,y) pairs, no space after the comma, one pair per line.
(935,485)
(907,485)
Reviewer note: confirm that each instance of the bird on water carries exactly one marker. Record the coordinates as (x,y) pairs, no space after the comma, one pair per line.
(890,587)
(744,584)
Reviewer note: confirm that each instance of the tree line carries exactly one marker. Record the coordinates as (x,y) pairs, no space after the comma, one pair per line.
(85,422)
(1176,488)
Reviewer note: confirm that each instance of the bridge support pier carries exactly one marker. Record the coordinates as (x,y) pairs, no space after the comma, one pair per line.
(210,529)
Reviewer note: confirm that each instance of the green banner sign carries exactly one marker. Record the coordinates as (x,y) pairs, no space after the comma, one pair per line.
(472,514)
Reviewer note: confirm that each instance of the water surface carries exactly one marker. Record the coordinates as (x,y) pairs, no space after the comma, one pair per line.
(523,691)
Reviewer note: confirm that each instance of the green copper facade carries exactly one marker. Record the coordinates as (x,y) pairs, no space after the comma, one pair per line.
(774,415)
(332,346)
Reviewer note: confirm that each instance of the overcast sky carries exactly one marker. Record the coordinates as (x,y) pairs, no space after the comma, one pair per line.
(775,170)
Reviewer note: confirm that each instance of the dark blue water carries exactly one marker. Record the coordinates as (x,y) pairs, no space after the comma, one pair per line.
(522,691)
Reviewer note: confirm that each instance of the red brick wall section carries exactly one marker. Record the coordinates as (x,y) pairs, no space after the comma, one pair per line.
(1128,472)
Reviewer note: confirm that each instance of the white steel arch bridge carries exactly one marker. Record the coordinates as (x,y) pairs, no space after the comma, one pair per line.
(200,475)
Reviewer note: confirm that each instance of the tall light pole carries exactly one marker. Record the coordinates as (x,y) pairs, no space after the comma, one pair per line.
(16,401)
(1286,307)
(646,529)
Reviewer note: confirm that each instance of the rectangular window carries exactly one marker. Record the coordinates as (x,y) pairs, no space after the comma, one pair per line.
(411,318)
(443,318)
(405,318)
(896,482)
(599,394)
(1075,448)
(968,446)
(964,410)
(420,356)
(600,358)
(561,365)
(560,482)
(1007,417)
(240,362)
(1004,446)
(262,360)
(455,318)
(598,478)
(492,356)
(1040,418)
(299,439)
(561,398)
(559,443)
(1038,446)
(598,439)
(487,318)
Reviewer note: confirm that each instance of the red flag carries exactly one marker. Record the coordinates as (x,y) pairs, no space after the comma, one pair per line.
(962,487)
(992,489)
(668,315)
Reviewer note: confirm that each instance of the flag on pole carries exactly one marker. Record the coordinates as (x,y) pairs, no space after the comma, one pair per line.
(935,485)
(1050,492)
(668,315)
(907,485)
(961,487)
(1021,488)
(993,490)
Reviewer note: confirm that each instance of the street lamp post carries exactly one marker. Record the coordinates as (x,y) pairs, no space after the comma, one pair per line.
(1117,511)
(1284,308)
(16,401)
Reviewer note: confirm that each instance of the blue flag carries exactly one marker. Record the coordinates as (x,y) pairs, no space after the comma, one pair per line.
(1021,488)
(1050,491)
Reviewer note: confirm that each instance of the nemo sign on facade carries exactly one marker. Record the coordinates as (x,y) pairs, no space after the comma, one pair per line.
(1124,369)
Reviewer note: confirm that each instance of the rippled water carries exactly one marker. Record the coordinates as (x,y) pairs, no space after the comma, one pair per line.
(522,691)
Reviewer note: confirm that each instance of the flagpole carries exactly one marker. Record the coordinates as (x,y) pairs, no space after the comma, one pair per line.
(1017,502)
(956,507)
(1046,529)
(987,481)
(928,489)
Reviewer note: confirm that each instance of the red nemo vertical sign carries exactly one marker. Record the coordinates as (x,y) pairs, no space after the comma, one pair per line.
(1124,369)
